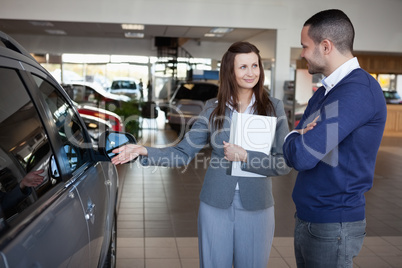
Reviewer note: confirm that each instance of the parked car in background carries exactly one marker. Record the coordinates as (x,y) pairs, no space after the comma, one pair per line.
(392,97)
(113,119)
(93,94)
(98,79)
(187,102)
(70,219)
(68,76)
(127,87)
(95,126)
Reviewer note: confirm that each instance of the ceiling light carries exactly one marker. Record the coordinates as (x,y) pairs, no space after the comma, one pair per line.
(220,30)
(133,35)
(213,35)
(56,32)
(139,27)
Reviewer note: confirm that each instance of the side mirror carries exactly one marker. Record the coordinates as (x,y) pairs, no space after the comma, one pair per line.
(54,171)
(110,140)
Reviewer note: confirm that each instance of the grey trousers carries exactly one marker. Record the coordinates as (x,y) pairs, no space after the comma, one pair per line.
(235,236)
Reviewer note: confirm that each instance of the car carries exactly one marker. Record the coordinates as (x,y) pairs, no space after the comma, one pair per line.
(93,94)
(95,126)
(127,87)
(187,102)
(68,220)
(392,97)
(101,80)
(112,118)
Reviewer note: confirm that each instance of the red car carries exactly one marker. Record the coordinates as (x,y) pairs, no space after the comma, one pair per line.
(114,119)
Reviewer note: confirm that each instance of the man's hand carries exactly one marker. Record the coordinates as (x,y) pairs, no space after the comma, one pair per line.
(309,126)
(32,179)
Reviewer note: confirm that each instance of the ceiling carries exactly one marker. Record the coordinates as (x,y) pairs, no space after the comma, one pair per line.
(114,30)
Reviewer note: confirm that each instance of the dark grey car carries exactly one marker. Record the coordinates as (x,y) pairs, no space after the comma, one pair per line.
(187,102)
(69,220)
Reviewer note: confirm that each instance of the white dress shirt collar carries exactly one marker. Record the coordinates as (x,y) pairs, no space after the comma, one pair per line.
(249,109)
(342,71)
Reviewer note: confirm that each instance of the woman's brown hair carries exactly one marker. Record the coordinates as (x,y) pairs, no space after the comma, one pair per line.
(228,87)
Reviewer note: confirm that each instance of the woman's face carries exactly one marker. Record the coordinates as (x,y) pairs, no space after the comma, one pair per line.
(247,70)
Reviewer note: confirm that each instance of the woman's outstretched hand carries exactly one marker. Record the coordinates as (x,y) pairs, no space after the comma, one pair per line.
(128,153)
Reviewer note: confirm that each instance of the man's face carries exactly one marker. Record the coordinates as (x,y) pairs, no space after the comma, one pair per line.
(311,52)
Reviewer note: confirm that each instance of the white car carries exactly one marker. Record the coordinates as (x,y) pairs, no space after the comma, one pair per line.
(92,93)
(127,87)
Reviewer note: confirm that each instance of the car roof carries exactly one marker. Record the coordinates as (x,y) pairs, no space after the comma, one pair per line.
(13,50)
(125,79)
(98,88)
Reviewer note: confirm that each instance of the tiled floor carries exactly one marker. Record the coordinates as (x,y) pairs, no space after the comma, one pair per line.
(157,220)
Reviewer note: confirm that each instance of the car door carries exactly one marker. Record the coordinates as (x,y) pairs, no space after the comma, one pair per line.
(48,227)
(94,177)
(97,191)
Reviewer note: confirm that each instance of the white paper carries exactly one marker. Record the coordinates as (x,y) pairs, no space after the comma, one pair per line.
(251,132)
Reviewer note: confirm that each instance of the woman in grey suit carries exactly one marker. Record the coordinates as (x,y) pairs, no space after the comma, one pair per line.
(236,215)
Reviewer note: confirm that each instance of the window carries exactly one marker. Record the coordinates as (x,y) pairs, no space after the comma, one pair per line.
(68,125)
(83,94)
(123,84)
(24,148)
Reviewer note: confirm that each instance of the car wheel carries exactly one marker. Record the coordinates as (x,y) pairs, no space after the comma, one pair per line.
(111,255)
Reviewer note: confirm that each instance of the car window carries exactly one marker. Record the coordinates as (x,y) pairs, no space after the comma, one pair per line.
(24,148)
(85,94)
(68,125)
(123,84)
(202,92)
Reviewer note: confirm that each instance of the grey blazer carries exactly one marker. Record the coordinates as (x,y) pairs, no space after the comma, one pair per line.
(219,187)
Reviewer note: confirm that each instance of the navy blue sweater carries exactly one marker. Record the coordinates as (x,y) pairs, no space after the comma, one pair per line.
(336,159)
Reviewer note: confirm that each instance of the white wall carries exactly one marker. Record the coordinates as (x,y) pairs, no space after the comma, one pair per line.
(378,24)
(303,86)
(399,84)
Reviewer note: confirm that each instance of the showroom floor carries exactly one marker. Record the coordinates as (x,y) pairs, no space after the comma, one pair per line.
(157,218)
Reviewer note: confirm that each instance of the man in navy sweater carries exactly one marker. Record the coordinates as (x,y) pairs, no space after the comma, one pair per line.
(334,147)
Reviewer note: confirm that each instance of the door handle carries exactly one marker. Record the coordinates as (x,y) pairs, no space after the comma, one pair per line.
(90,213)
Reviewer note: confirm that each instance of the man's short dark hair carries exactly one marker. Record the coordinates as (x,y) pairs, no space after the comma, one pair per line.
(334,25)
